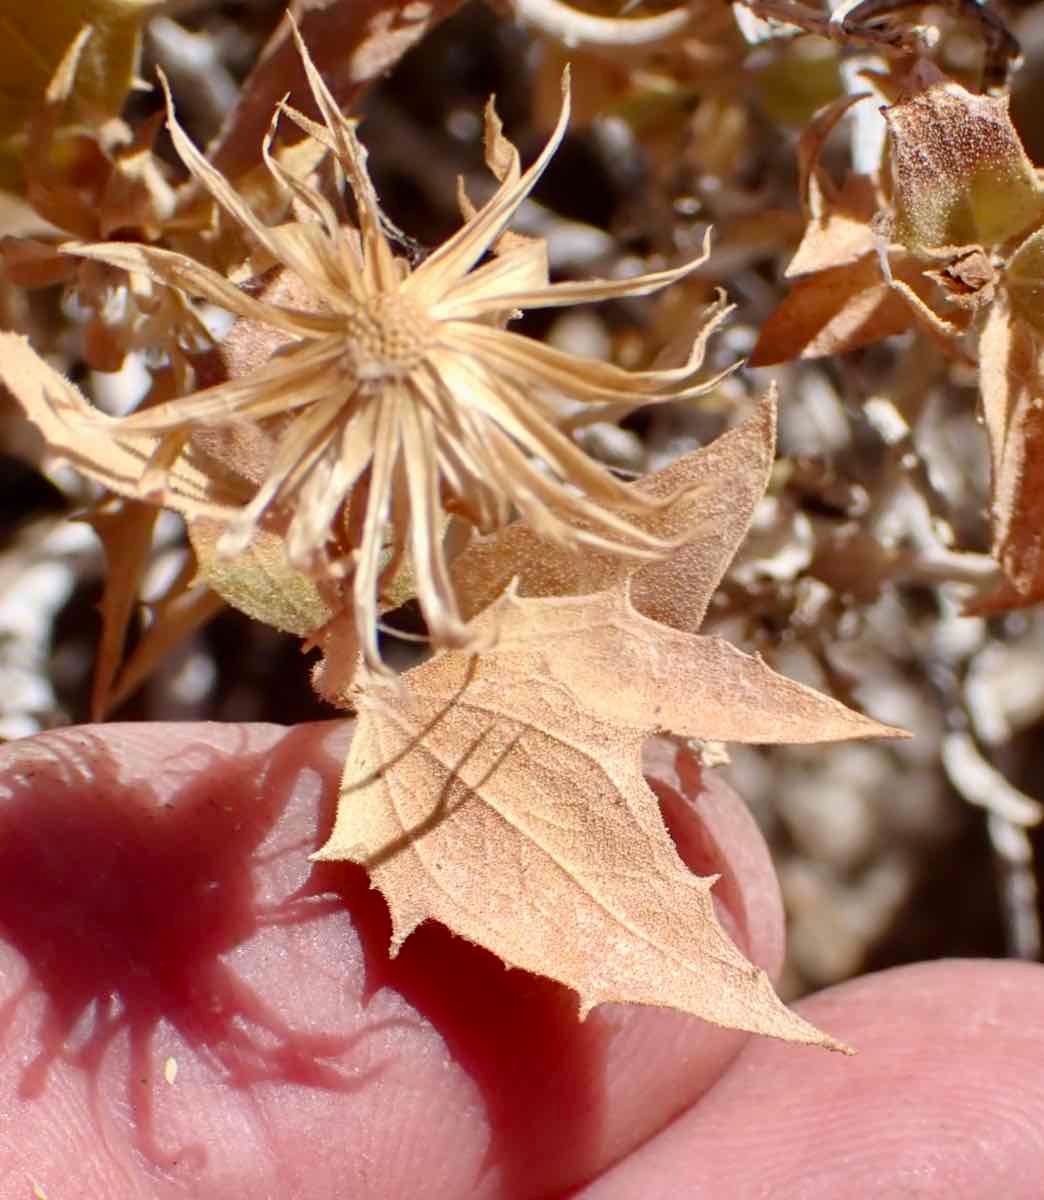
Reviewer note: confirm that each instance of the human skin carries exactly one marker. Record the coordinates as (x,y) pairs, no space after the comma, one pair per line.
(188,1008)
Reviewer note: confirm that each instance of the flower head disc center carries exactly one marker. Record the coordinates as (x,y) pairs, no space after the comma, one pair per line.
(386,338)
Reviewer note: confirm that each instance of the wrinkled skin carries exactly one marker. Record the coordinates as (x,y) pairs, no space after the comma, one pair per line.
(188,1008)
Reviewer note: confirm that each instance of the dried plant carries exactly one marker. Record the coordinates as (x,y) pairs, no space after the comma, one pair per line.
(947,238)
(398,397)
(372,432)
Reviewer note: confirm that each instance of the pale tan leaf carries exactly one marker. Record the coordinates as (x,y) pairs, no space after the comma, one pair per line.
(840,309)
(502,795)
(56,408)
(1011,366)
(697,687)
(717,488)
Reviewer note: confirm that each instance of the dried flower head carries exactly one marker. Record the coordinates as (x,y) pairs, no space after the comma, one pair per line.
(398,396)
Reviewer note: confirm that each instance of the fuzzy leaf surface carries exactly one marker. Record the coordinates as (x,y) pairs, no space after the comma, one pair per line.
(502,795)
(712,492)
(959,172)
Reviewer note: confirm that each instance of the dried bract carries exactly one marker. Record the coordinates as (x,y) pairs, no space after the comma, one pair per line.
(954,249)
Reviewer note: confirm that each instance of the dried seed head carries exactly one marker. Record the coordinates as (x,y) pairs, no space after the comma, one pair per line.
(398,394)
(386,338)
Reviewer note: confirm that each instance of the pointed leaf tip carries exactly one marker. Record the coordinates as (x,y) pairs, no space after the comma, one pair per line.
(517,815)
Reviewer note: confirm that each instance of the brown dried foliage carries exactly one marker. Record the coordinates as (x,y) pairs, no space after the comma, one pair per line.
(947,240)
(372,432)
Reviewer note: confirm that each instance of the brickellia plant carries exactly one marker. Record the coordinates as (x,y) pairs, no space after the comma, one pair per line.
(372,432)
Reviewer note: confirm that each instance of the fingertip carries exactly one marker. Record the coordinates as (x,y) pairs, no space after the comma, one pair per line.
(945,1098)
(716,834)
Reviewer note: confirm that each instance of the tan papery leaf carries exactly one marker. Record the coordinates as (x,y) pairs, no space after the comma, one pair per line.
(717,488)
(502,795)
(1011,364)
(841,309)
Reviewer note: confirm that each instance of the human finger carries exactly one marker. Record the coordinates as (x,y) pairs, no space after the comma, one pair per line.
(189,1006)
(944,1099)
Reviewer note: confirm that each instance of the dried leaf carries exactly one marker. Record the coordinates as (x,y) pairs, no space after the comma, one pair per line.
(34,38)
(959,173)
(717,489)
(502,795)
(1011,358)
(841,309)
